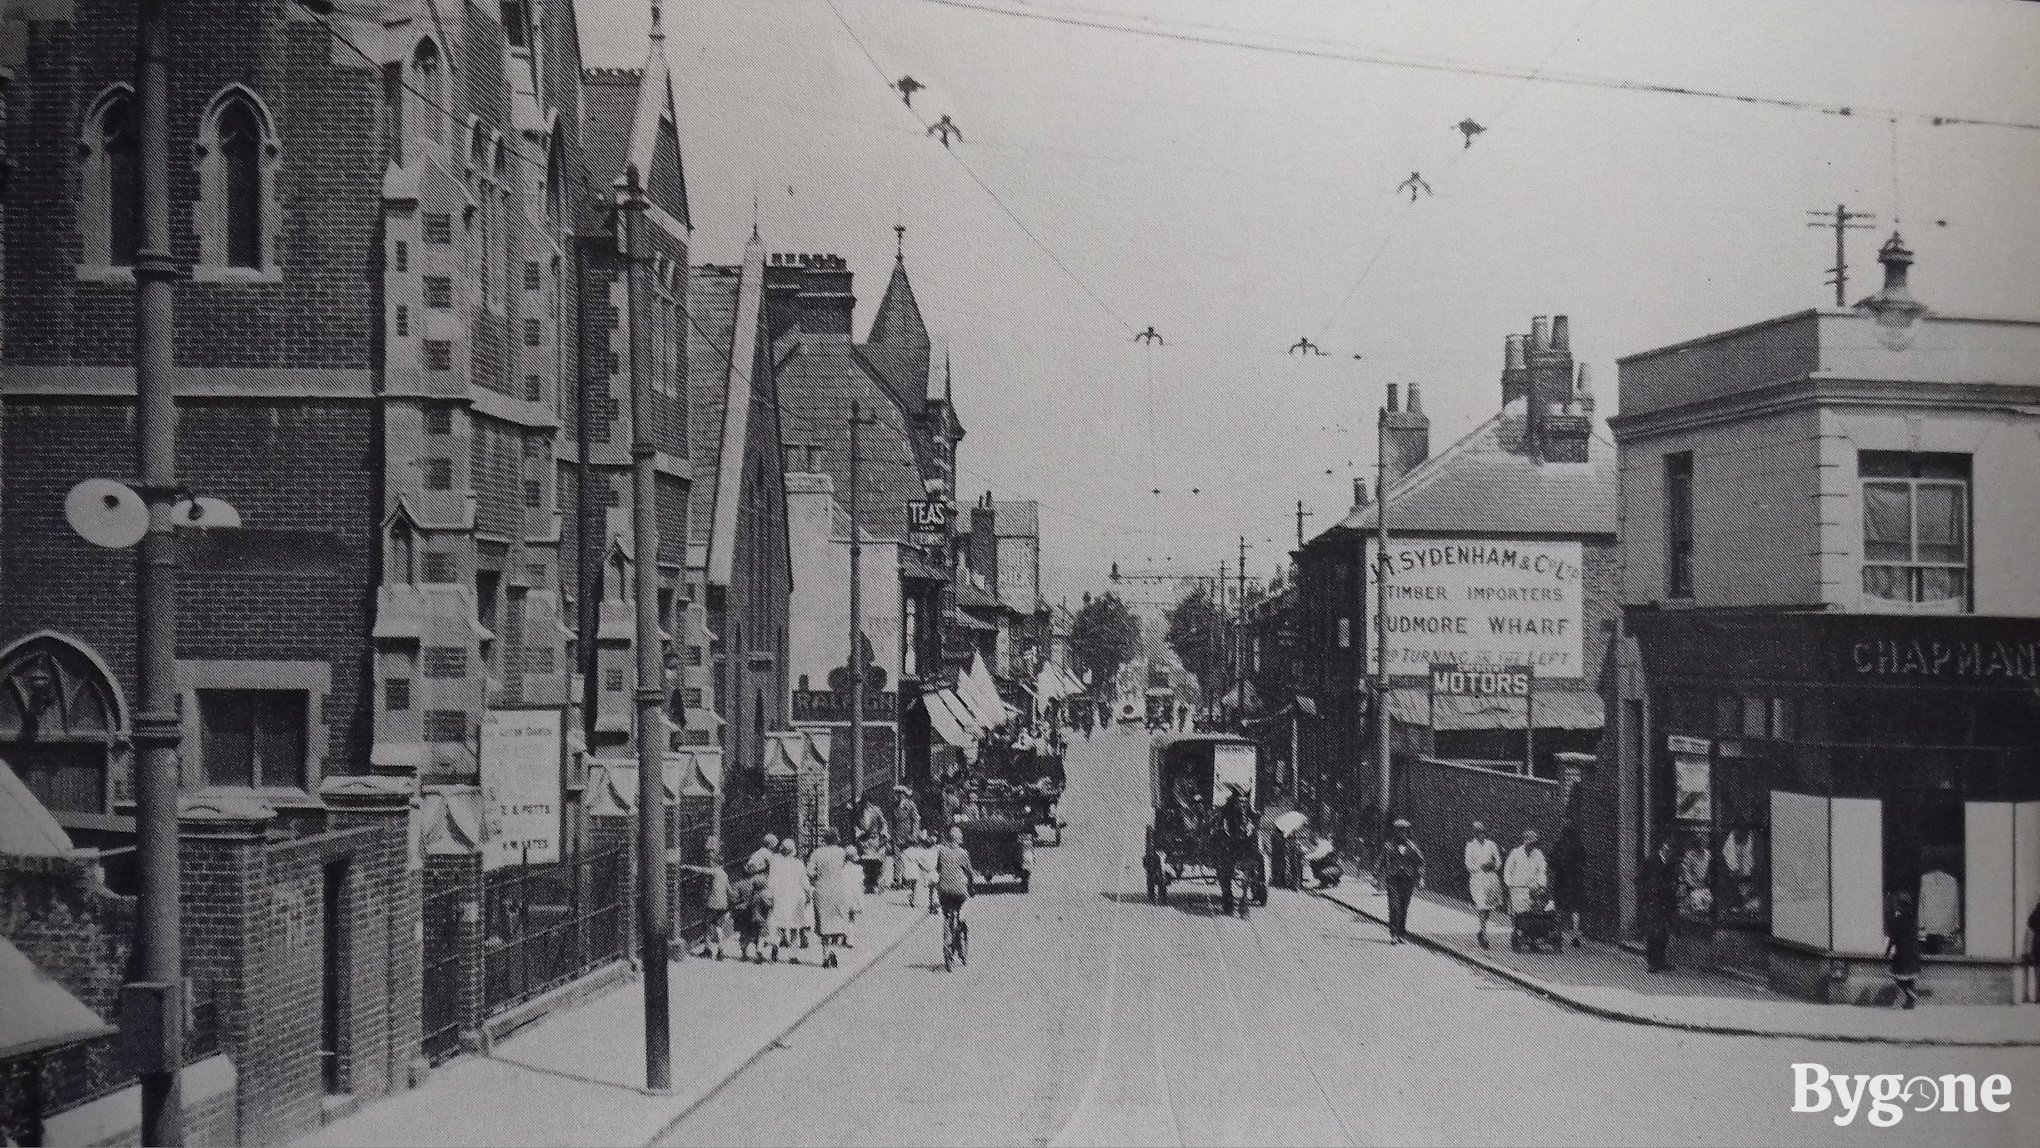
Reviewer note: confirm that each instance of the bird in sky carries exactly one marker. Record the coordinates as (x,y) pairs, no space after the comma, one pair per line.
(1304,346)
(1468,128)
(945,129)
(1150,337)
(907,86)
(1414,183)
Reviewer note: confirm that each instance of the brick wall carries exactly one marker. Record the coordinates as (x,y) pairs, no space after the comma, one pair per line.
(1442,802)
(67,923)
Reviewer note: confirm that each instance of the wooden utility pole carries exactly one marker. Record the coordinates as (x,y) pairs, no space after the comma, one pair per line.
(858,421)
(152,1000)
(1301,514)
(1841,219)
(1240,624)
(1382,766)
(654,914)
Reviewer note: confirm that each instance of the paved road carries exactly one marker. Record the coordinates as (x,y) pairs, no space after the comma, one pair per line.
(1088,1016)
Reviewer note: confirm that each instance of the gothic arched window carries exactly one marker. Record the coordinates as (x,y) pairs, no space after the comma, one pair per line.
(110,164)
(236,215)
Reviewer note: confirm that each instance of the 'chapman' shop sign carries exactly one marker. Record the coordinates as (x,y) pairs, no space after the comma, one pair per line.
(1483,603)
(1971,660)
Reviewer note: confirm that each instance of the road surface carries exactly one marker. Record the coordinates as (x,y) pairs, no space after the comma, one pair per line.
(1088,1016)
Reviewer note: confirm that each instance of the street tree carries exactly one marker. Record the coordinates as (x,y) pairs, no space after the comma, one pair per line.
(1197,632)
(1104,636)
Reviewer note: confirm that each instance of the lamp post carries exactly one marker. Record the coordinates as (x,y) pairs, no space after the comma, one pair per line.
(1382,762)
(654,914)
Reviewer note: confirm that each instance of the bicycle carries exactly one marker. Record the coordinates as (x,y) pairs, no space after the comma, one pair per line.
(955,937)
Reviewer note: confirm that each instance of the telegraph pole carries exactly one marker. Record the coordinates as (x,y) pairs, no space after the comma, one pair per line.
(1841,220)
(653,913)
(1301,514)
(152,1003)
(1382,768)
(858,420)
(1240,625)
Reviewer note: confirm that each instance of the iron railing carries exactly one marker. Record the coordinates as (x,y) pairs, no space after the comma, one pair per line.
(547,924)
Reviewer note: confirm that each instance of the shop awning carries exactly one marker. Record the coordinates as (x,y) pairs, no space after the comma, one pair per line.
(970,711)
(41,1013)
(943,722)
(1557,708)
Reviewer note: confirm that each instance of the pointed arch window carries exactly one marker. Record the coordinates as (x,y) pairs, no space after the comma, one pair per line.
(237,216)
(111,189)
(428,90)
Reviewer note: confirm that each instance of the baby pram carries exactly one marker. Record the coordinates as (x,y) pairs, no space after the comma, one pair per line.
(1532,920)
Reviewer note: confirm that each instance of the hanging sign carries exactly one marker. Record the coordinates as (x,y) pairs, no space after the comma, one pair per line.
(521,751)
(927,516)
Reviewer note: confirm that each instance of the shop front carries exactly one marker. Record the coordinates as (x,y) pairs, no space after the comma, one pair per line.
(1809,767)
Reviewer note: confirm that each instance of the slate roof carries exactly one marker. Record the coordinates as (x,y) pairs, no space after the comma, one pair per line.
(712,300)
(1017,519)
(610,96)
(819,376)
(1486,482)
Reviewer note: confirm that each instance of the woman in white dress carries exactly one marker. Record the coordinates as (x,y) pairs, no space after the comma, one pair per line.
(830,870)
(1483,876)
(786,881)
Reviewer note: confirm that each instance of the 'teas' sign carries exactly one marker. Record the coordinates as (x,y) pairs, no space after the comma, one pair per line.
(928,516)
(1454,681)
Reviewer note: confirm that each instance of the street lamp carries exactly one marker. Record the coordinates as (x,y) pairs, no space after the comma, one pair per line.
(1896,315)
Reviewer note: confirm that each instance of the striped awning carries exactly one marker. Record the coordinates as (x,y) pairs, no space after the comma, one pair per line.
(944,722)
(1557,707)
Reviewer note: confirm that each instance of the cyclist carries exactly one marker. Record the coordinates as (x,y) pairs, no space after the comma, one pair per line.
(953,878)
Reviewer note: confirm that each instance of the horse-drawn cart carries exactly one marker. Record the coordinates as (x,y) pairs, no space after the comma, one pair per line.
(1205,820)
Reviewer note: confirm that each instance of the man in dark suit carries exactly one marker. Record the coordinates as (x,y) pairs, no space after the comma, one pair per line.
(1658,906)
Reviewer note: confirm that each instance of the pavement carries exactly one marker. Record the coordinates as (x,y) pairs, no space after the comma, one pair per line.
(577,1077)
(1610,982)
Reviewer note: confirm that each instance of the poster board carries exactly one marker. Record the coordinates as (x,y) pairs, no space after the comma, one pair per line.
(1231,765)
(521,757)
(1799,868)
(1857,875)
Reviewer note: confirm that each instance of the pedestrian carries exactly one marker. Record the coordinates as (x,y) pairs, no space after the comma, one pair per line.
(1902,945)
(1525,873)
(715,897)
(1483,877)
(786,882)
(1568,876)
(918,863)
(2033,955)
(751,906)
(906,830)
(761,856)
(827,866)
(872,836)
(1401,869)
(1658,904)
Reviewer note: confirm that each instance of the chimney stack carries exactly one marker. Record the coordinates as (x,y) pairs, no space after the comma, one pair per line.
(1407,435)
(1561,334)
(1515,370)
(1360,492)
(1392,402)
(1540,333)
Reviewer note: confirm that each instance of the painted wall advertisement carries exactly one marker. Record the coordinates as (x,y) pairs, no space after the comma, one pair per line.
(1482,602)
(521,787)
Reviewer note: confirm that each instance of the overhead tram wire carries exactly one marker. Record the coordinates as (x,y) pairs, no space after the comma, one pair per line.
(970,171)
(813,421)
(1500,72)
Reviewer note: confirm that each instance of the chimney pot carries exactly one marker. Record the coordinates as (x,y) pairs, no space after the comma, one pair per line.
(1561,333)
(1513,358)
(1359,492)
(1393,398)
(1540,334)
(1416,407)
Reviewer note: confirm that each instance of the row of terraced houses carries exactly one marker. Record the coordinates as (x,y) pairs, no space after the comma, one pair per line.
(405,336)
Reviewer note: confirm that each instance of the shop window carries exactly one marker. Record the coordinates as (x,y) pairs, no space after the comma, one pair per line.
(1679,524)
(1915,527)
(1923,857)
(252,738)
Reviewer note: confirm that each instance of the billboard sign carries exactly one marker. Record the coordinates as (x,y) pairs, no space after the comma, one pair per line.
(927,516)
(521,754)
(1454,681)
(1482,603)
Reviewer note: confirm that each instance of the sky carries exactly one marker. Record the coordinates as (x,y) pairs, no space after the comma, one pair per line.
(1240,198)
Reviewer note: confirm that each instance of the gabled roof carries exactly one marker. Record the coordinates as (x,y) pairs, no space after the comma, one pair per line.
(721,375)
(631,120)
(1489,482)
(898,348)
(818,377)
(1017,519)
